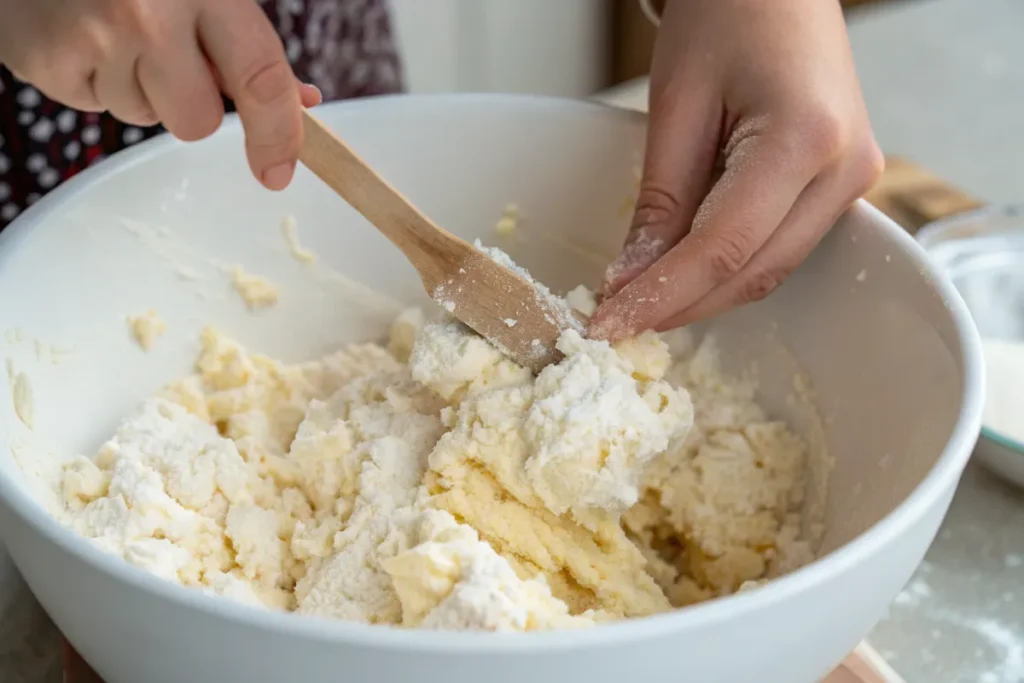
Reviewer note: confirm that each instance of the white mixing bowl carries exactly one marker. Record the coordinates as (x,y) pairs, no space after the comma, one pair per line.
(887,343)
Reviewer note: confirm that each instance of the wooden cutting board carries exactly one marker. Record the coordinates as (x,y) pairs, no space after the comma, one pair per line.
(912,196)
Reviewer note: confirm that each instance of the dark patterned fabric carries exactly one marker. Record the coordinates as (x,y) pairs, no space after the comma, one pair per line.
(344,47)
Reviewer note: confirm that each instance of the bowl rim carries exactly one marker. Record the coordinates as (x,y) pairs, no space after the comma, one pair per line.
(933,234)
(936,484)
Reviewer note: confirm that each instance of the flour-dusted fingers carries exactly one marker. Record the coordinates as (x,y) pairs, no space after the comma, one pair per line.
(817,209)
(681,154)
(764,175)
(683,132)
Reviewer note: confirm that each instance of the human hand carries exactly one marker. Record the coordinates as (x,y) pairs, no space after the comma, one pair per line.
(160,61)
(768,89)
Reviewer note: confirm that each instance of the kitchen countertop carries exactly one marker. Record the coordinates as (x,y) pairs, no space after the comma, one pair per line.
(926,69)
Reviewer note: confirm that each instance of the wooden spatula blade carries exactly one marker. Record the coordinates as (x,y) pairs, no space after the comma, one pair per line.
(523,319)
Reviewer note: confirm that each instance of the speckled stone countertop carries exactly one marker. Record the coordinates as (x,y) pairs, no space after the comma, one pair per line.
(944,89)
(29,643)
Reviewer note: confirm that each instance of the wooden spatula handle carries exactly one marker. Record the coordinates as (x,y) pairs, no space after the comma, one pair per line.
(344,171)
(913,196)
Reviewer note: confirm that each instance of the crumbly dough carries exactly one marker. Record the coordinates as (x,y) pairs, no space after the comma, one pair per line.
(257,292)
(146,328)
(433,483)
(290,228)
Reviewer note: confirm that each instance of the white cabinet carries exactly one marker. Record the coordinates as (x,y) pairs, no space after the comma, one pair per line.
(551,47)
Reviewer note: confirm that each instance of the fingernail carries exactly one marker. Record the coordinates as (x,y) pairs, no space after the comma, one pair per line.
(278,177)
(316,91)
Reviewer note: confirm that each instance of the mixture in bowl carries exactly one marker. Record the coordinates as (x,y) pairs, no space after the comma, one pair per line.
(433,483)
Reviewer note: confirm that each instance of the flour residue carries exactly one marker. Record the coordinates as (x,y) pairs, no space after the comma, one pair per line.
(21,395)
(290,228)
(183,258)
(256,291)
(641,251)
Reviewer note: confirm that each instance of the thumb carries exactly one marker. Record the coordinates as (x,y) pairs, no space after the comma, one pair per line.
(682,144)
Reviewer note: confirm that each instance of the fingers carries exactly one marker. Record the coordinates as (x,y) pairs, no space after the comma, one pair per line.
(814,213)
(177,80)
(118,89)
(241,43)
(807,223)
(681,149)
(62,70)
(310,95)
(764,176)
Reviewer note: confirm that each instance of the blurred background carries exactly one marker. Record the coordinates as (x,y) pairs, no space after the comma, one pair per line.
(938,75)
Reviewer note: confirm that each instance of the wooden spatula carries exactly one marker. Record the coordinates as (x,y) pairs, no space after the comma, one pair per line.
(505,307)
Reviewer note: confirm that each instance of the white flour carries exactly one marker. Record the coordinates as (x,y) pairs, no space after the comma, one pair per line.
(997,641)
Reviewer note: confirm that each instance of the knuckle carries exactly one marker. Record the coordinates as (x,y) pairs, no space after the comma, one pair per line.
(65,77)
(284,145)
(97,42)
(866,167)
(265,82)
(727,255)
(760,285)
(822,134)
(144,117)
(137,18)
(654,205)
(201,124)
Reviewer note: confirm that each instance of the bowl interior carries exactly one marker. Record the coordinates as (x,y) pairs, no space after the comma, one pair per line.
(857,350)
